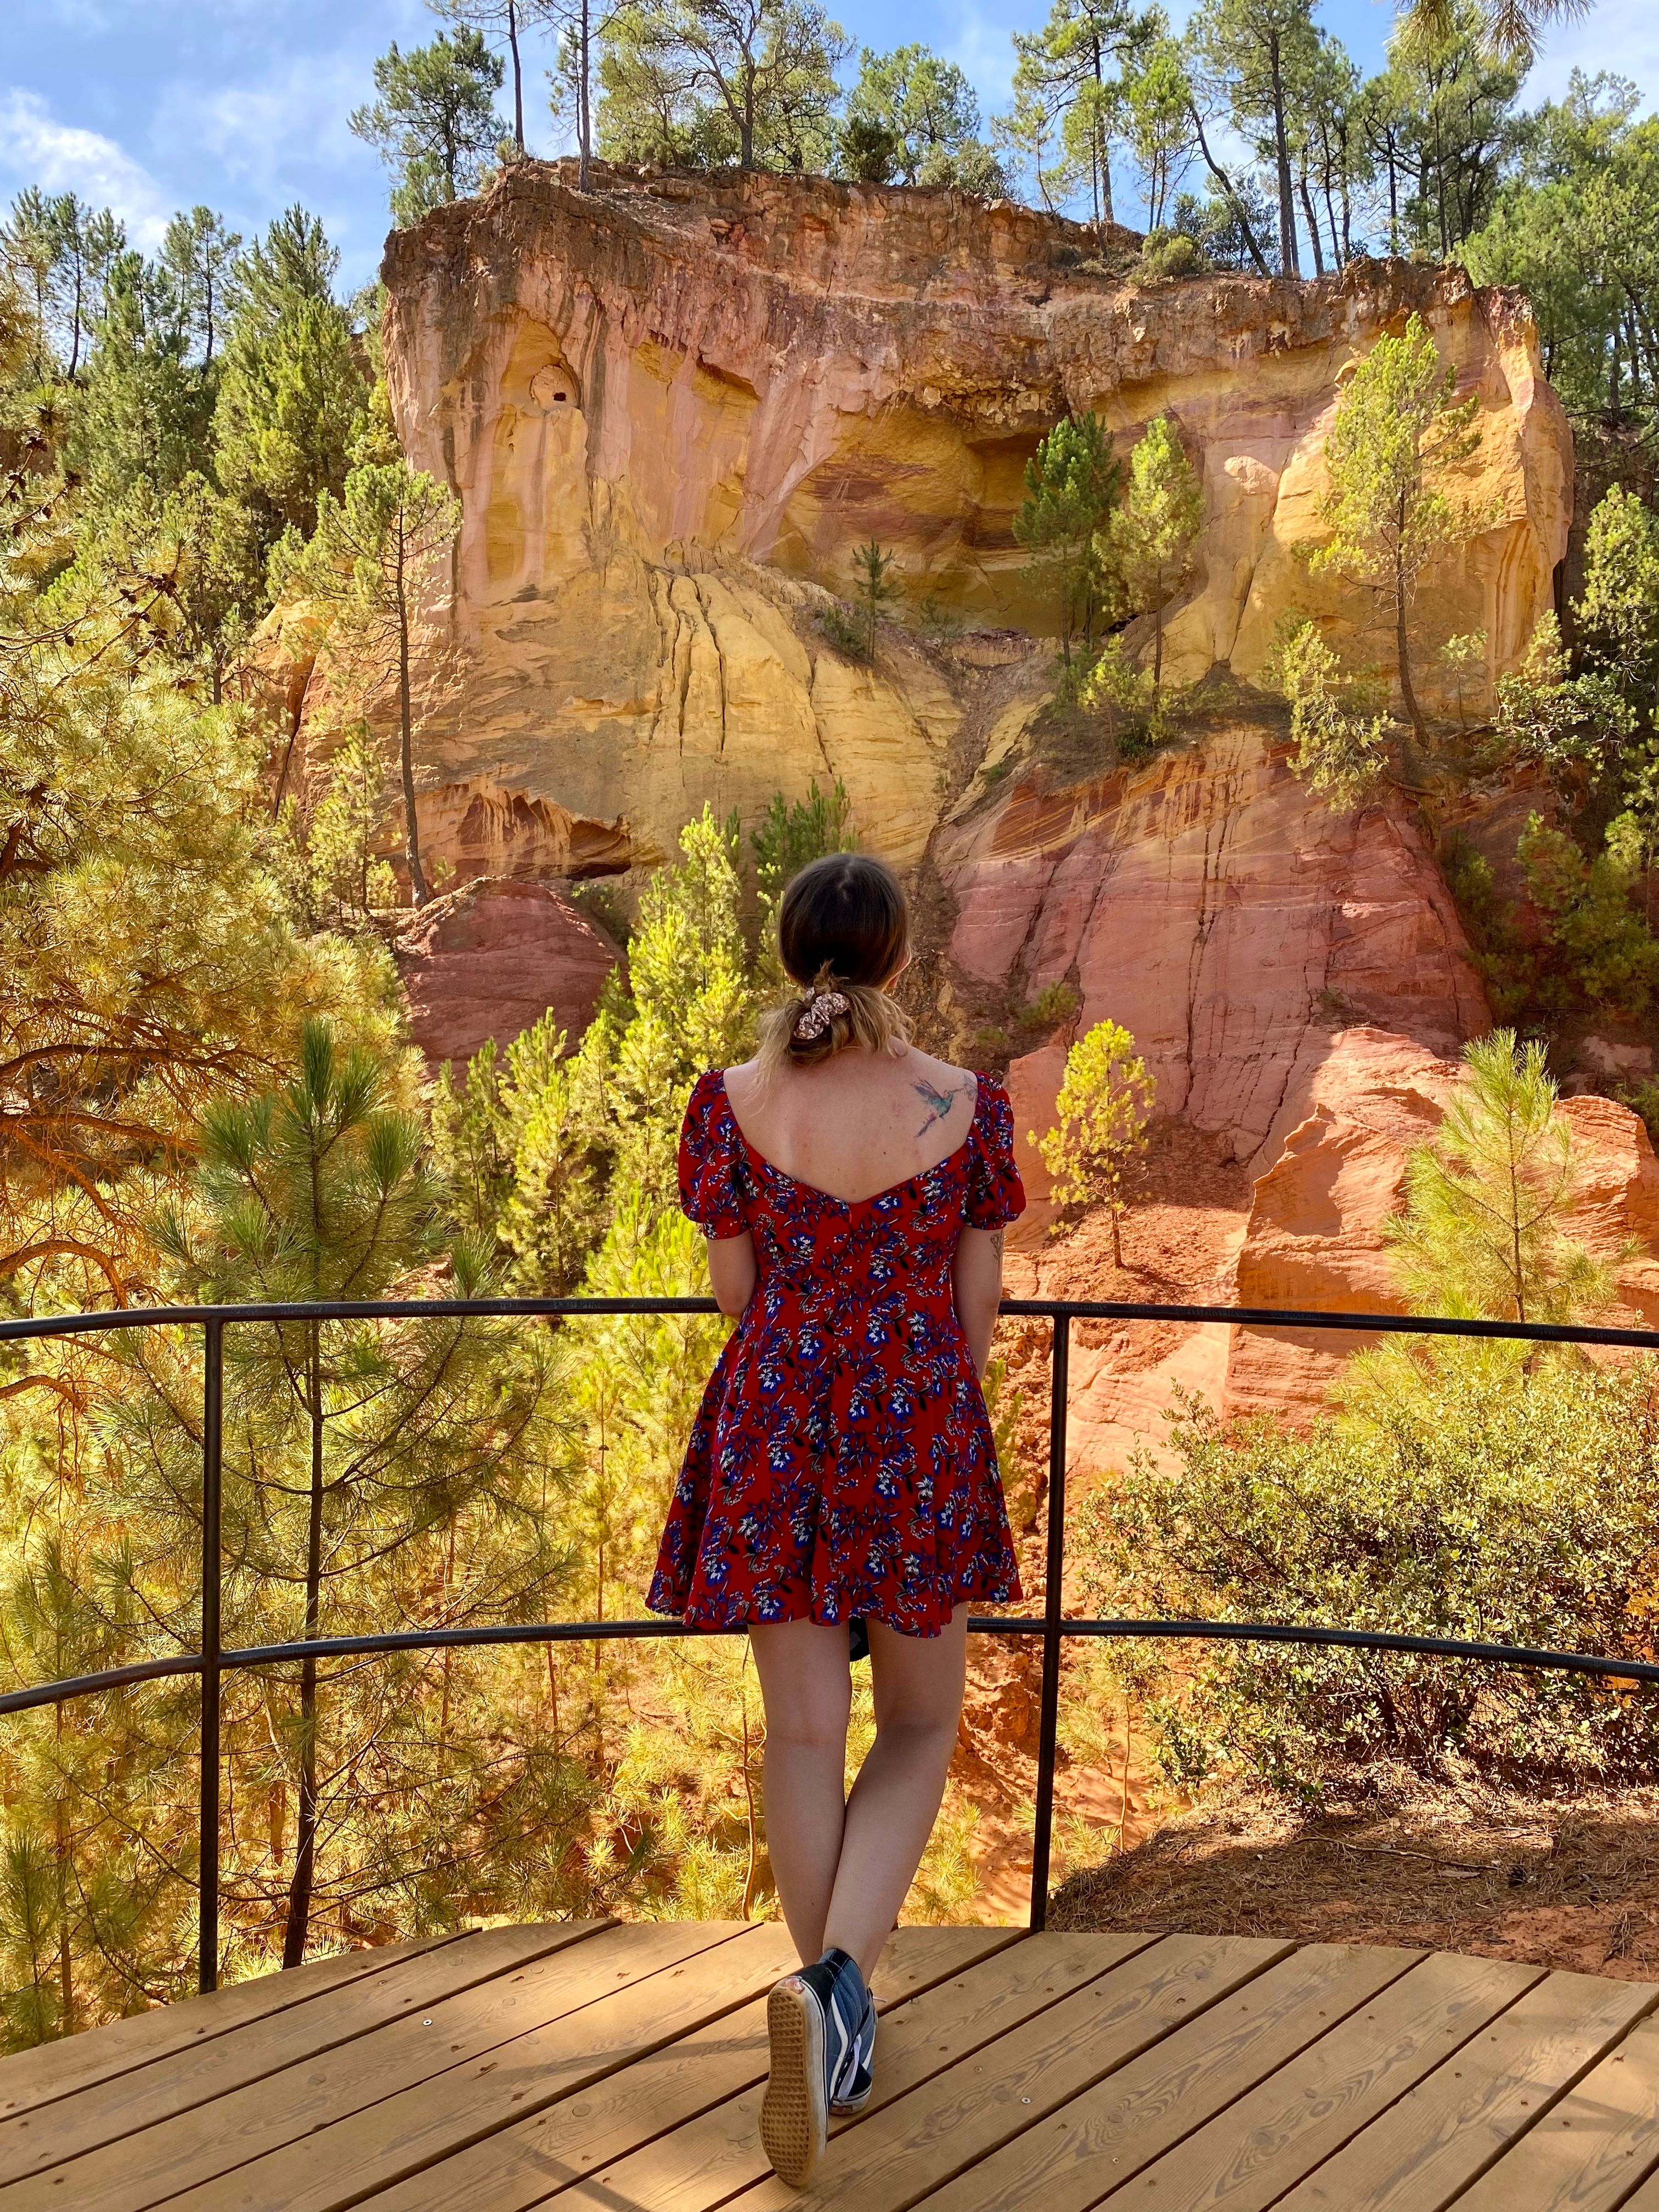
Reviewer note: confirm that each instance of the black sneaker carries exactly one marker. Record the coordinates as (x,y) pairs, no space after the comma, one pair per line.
(857,2075)
(813,2021)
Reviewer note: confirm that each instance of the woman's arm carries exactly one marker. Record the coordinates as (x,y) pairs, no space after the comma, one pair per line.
(976,1279)
(731,1272)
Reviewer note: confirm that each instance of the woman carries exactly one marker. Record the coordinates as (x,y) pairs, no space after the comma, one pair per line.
(841,1472)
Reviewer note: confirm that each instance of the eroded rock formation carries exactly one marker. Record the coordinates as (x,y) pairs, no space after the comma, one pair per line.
(1222,915)
(673,408)
(490,958)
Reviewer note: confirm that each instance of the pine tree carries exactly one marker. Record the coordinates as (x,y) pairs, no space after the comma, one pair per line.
(149,962)
(1483,1233)
(1065,85)
(1257,49)
(1071,482)
(923,109)
(877,585)
(707,82)
(1152,535)
(199,254)
(362,1459)
(508,19)
(435,124)
(1104,1104)
(143,417)
(375,554)
(293,397)
(1399,427)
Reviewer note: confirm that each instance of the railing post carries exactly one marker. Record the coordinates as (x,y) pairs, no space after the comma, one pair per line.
(1054,1598)
(213,1411)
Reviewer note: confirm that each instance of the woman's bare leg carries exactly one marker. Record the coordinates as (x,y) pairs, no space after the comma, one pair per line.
(806,1686)
(918,1682)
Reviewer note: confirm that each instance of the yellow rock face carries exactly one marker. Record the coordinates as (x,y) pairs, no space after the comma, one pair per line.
(673,411)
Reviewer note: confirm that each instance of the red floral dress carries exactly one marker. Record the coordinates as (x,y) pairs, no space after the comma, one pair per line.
(842,1464)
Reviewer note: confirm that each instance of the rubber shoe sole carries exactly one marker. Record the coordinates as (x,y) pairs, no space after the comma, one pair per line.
(794,2121)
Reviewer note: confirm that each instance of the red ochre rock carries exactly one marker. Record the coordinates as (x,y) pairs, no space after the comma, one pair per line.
(488,960)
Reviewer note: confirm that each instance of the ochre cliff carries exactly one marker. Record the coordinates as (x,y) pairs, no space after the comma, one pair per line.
(672,409)
(1225,917)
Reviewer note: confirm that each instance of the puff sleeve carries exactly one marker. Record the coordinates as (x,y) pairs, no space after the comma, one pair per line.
(996,1195)
(708,1168)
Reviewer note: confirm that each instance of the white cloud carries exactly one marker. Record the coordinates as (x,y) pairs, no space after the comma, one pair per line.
(983,49)
(60,157)
(1619,36)
(260,132)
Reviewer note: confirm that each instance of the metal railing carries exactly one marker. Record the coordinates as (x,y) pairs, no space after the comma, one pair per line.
(1054,1625)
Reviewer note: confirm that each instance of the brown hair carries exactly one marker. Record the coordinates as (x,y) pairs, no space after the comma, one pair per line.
(843,932)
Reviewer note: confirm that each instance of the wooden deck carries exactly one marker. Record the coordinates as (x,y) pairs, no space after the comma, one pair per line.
(616,2069)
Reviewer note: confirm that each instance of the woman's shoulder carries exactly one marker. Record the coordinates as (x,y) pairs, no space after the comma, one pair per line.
(708,1098)
(946,1078)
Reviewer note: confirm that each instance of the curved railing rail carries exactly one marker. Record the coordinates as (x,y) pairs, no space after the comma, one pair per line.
(1054,1625)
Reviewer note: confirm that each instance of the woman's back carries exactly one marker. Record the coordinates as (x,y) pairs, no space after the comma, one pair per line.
(858,1124)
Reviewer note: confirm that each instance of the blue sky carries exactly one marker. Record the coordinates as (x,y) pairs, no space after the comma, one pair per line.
(151,104)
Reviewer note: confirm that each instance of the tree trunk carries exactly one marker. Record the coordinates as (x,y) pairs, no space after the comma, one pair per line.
(1289,260)
(1313,227)
(305,1845)
(1104,210)
(584,131)
(1158,650)
(517,73)
(417,884)
(1394,200)
(746,124)
(1117,1239)
(1232,198)
(1408,689)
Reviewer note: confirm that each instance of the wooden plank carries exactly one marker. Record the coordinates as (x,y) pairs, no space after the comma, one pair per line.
(520,2165)
(925,2141)
(1098,2140)
(74,2124)
(29,2079)
(1424,2153)
(965,2102)
(214,2139)
(692,2167)
(1260,2147)
(1135,2118)
(338,2164)
(1584,2155)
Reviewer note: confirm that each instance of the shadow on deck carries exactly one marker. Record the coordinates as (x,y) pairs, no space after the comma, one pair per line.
(619,2067)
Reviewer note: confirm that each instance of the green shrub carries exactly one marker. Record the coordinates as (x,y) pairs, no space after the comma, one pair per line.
(1606,956)
(843,629)
(1170,253)
(1481,1494)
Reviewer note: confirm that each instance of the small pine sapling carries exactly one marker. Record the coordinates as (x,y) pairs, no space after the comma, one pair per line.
(877,584)
(1104,1105)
